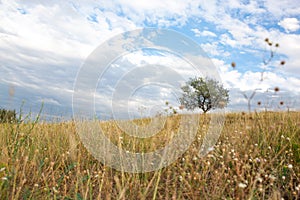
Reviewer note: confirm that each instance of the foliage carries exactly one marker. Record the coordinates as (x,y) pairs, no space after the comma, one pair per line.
(8,116)
(205,94)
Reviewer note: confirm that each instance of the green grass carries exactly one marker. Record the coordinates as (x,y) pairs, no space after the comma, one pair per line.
(257,157)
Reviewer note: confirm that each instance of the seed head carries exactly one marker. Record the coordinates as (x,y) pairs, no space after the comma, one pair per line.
(281,103)
(267,40)
(259,103)
(276,89)
(282,62)
(242,185)
(276,45)
(233,65)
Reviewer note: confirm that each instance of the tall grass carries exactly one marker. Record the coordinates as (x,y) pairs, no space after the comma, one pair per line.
(257,157)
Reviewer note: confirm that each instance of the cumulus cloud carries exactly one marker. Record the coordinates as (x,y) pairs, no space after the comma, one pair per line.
(43,44)
(204,33)
(290,24)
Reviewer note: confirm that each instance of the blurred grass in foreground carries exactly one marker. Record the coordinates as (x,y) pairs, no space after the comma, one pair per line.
(257,157)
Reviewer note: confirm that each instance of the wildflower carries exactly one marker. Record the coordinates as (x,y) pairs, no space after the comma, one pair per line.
(55,190)
(272,178)
(210,148)
(242,185)
(269,147)
(36,185)
(2,169)
(259,179)
(4,178)
(180,178)
(290,166)
(283,177)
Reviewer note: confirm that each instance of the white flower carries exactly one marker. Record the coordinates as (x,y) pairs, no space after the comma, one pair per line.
(290,166)
(259,179)
(272,177)
(242,185)
(180,178)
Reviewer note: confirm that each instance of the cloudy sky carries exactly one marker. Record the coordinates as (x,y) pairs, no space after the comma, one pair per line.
(44,44)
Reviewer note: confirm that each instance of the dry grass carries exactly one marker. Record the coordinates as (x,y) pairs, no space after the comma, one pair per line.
(256,157)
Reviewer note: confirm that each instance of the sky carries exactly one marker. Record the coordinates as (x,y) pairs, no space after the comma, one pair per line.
(45,44)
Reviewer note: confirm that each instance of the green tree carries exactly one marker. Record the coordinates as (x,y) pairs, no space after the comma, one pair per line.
(8,116)
(205,94)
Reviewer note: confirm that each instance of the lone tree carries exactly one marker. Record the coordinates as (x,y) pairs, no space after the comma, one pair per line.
(205,94)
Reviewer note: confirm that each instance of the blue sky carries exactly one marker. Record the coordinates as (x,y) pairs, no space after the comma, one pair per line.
(44,44)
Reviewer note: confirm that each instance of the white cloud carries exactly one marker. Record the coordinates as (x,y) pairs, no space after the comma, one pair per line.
(211,48)
(290,24)
(42,44)
(279,9)
(204,33)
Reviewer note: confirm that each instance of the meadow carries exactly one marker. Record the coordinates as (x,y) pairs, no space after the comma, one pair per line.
(256,157)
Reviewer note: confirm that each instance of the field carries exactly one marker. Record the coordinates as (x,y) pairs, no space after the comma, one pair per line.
(256,157)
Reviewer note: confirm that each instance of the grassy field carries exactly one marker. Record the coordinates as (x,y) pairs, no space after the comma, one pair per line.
(257,157)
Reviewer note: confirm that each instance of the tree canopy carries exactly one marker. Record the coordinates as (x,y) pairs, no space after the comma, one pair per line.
(205,94)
